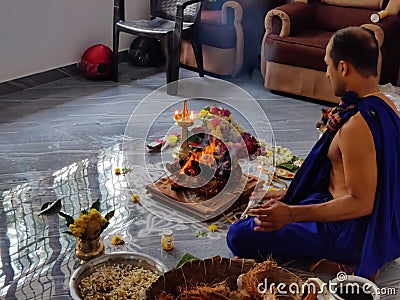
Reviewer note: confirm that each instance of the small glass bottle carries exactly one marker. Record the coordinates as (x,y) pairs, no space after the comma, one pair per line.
(167,240)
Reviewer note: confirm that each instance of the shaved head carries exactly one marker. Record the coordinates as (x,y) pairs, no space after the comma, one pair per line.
(356,46)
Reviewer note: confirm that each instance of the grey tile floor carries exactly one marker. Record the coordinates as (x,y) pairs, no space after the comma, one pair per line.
(46,129)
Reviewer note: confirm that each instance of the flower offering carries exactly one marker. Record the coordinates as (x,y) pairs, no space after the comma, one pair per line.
(90,223)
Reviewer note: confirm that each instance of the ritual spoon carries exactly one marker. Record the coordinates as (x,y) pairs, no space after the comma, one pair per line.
(260,184)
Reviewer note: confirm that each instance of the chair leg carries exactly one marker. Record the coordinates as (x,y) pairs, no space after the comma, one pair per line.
(172,64)
(115,55)
(198,55)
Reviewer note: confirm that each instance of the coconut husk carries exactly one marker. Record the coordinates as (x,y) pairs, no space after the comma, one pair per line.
(201,276)
(222,278)
(268,272)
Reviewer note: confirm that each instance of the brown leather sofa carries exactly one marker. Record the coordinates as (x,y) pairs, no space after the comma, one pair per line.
(293,47)
(230,33)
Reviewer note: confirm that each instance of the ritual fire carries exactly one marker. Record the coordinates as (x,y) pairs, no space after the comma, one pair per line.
(206,165)
(205,171)
(203,157)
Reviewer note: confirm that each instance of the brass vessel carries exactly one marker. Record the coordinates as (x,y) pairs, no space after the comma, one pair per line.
(87,249)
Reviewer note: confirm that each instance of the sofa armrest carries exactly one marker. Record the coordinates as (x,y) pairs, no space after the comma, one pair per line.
(393,7)
(378,32)
(237,22)
(379,36)
(386,32)
(386,29)
(390,26)
(293,17)
(237,12)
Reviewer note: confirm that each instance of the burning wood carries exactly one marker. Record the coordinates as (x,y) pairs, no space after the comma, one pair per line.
(205,171)
(204,157)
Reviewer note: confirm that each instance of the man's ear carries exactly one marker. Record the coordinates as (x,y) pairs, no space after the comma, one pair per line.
(343,68)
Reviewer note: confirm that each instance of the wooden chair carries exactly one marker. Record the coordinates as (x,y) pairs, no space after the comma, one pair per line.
(168,18)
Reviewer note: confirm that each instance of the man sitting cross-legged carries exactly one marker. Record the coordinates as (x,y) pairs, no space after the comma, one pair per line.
(344,202)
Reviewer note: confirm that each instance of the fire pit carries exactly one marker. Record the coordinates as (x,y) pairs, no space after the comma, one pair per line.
(204,184)
(205,172)
(206,178)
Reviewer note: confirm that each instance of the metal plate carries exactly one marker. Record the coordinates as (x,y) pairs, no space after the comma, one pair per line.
(128,258)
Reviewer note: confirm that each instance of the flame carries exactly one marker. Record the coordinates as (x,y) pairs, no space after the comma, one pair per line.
(184,115)
(206,156)
(188,167)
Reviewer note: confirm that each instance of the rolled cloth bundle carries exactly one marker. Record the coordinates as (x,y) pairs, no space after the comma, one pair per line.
(392,8)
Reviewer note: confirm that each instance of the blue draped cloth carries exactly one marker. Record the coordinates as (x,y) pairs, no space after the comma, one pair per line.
(382,236)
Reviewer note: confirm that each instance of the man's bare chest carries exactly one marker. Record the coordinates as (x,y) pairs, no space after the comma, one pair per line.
(334,153)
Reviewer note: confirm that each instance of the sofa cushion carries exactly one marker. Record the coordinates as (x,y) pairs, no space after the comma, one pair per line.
(333,18)
(211,31)
(370,4)
(306,50)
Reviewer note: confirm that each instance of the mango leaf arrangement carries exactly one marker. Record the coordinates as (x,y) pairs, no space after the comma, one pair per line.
(90,223)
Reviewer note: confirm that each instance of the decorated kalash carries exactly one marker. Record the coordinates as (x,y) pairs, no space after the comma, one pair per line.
(207,162)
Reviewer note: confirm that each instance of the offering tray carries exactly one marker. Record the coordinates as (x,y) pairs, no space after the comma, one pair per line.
(125,258)
(200,206)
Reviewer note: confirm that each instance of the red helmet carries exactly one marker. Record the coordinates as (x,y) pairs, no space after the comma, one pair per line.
(96,62)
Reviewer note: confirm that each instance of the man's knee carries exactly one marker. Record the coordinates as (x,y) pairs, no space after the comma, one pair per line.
(238,236)
(239,229)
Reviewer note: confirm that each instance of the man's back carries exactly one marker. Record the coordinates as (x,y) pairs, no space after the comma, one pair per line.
(353,158)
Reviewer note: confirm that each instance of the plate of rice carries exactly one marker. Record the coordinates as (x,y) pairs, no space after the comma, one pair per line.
(118,275)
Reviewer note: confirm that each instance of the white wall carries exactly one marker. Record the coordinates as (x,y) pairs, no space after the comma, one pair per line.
(40,35)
